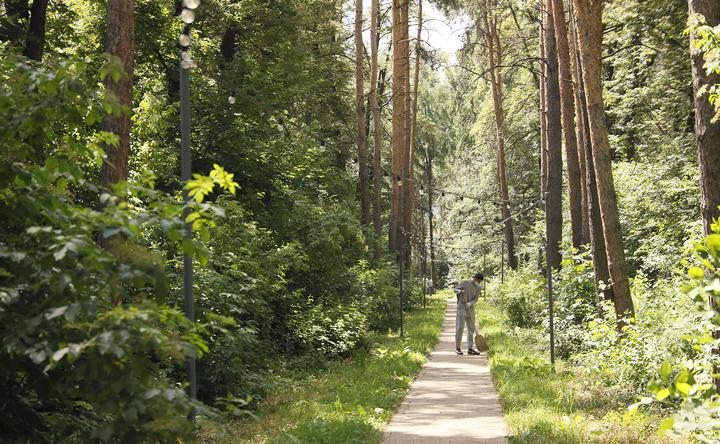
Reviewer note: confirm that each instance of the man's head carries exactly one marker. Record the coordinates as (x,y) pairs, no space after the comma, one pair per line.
(478,278)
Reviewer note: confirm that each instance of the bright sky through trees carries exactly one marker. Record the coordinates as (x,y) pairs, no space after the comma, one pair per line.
(440,32)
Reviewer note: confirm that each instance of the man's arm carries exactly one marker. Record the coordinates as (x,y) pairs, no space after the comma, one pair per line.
(460,291)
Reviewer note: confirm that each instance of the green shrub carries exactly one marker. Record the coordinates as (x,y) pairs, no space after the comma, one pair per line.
(329,331)
(89,351)
(523,297)
(377,296)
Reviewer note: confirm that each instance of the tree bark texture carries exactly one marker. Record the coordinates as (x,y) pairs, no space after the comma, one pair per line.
(119,43)
(543,116)
(580,121)
(398,123)
(408,180)
(35,43)
(588,15)
(413,120)
(494,51)
(706,131)
(553,202)
(592,209)
(360,115)
(377,124)
(567,105)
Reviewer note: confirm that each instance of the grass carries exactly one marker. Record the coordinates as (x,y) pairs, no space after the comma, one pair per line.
(561,406)
(351,401)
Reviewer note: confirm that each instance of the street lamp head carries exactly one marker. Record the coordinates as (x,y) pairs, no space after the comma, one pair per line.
(187,16)
(184,41)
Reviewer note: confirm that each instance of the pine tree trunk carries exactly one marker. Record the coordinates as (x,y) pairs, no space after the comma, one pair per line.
(580,121)
(119,43)
(413,116)
(567,104)
(377,125)
(360,115)
(588,14)
(706,131)
(553,203)
(398,123)
(35,44)
(543,117)
(408,181)
(594,223)
(494,62)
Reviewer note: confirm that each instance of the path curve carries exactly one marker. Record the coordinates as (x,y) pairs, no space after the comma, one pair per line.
(452,401)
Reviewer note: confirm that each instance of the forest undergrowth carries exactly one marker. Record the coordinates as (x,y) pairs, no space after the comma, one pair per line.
(345,401)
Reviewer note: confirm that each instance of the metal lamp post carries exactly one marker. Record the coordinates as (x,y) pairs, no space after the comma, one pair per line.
(188,16)
(402,258)
(549,285)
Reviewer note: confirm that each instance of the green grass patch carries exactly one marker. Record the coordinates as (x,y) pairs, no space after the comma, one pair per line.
(351,401)
(561,406)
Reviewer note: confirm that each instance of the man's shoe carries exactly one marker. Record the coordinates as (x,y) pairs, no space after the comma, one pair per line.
(458,351)
(472,351)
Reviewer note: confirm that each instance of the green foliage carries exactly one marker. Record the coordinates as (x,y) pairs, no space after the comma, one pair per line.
(349,402)
(689,383)
(523,297)
(329,331)
(377,296)
(76,365)
(566,405)
(707,41)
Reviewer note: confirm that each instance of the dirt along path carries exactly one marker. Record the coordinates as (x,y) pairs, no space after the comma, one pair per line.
(452,401)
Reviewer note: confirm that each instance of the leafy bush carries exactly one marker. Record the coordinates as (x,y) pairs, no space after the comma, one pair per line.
(523,297)
(377,296)
(328,331)
(686,382)
(89,351)
(574,303)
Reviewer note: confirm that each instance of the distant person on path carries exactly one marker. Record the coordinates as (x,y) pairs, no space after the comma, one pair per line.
(467,293)
(431,287)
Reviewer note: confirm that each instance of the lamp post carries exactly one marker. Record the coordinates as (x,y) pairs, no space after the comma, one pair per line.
(430,219)
(188,16)
(484,273)
(401,260)
(424,249)
(549,285)
(502,260)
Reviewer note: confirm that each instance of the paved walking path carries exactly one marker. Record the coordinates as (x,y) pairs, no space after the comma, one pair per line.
(453,400)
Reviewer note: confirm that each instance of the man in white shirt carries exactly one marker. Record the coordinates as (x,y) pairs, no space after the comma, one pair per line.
(467,293)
